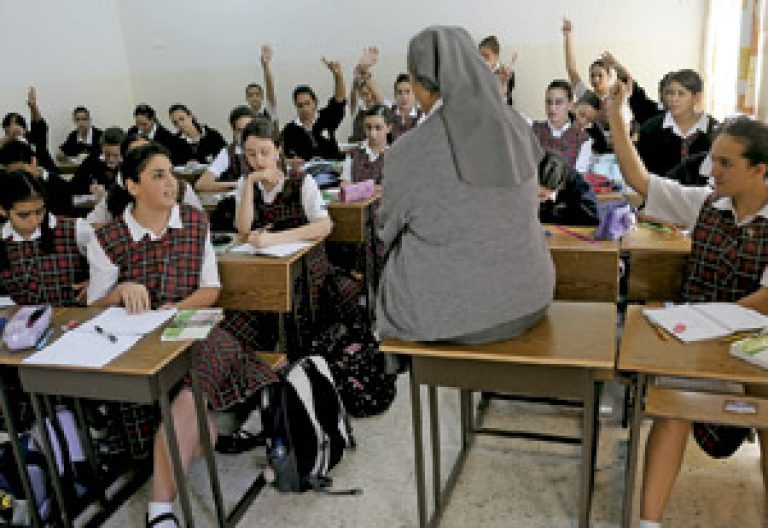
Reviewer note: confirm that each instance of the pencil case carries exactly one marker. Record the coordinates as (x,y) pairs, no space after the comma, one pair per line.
(354,192)
(27,326)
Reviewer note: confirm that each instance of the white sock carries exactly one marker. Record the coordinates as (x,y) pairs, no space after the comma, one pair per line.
(253,423)
(648,524)
(156,509)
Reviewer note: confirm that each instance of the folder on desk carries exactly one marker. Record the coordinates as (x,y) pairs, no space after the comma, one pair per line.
(698,322)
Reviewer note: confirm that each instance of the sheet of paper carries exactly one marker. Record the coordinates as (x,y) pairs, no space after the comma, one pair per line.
(79,349)
(685,323)
(732,316)
(117,321)
(278,250)
(80,199)
(6,302)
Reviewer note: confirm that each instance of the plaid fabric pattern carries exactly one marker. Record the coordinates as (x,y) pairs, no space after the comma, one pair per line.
(727,261)
(35,277)
(568,144)
(256,331)
(400,127)
(238,165)
(169,267)
(365,169)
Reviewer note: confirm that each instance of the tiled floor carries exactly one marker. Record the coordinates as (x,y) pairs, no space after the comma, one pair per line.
(506,483)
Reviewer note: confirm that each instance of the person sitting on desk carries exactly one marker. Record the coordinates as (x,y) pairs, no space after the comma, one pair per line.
(15,127)
(312,133)
(455,203)
(728,263)
(98,172)
(84,140)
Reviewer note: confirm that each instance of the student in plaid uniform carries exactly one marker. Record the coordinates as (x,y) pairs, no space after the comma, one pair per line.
(728,262)
(365,161)
(276,206)
(158,254)
(405,112)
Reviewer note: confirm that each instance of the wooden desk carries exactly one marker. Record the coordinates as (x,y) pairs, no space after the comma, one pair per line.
(585,271)
(67,166)
(632,197)
(189,175)
(656,264)
(643,356)
(144,374)
(565,356)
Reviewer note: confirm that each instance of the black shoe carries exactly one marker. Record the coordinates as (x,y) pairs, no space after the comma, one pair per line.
(160,518)
(239,442)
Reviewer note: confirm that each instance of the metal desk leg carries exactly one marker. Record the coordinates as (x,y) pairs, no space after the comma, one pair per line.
(10,423)
(375,263)
(434,434)
(205,442)
(85,440)
(50,459)
(588,452)
(418,448)
(282,333)
(173,450)
(634,442)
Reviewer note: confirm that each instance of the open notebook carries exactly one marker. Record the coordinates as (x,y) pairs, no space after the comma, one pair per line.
(85,346)
(278,250)
(697,322)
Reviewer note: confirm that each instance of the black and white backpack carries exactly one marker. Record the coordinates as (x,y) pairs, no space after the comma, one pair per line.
(308,428)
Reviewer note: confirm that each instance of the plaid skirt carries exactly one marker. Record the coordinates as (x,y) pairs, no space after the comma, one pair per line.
(227,376)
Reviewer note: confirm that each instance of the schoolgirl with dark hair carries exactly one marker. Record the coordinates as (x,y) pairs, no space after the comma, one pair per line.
(405,112)
(201,143)
(125,260)
(147,124)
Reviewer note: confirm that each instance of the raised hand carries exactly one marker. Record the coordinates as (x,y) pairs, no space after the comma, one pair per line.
(369,57)
(334,66)
(266,54)
(32,96)
(567,26)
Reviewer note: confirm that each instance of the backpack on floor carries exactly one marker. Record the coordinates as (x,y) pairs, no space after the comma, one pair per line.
(366,383)
(307,427)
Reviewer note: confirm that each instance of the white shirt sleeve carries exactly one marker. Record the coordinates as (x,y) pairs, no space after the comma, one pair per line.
(100,214)
(191,197)
(579,89)
(584,158)
(83,234)
(312,200)
(764,278)
(220,163)
(346,170)
(670,201)
(103,273)
(239,190)
(209,272)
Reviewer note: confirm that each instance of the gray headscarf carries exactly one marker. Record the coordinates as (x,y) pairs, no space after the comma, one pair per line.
(492,145)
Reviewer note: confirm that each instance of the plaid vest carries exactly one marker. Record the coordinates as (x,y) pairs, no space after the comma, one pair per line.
(35,277)
(169,267)
(363,168)
(238,165)
(400,127)
(286,212)
(727,261)
(568,144)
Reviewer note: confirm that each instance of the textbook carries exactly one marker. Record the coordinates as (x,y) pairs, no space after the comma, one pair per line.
(752,349)
(697,322)
(192,324)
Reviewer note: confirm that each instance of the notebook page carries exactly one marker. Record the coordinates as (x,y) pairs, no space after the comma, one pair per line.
(685,323)
(77,349)
(734,317)
(278,250)
(117,321)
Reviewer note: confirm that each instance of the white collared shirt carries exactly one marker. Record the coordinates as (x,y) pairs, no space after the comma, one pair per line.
(346,171)
(298,122)
(670,201)
(83,233)
(584,159)
(88,137)
(414,112)
(104,274)
(311,199)
(152,132)
(699,126)
(220,164)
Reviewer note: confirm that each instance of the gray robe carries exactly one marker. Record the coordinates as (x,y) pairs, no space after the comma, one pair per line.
(463,258)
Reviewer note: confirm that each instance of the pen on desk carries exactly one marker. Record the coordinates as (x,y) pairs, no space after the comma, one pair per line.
(575,234)
(44,339)
(112,337)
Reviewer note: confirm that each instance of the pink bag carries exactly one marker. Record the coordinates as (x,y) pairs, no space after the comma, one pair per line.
(354,192)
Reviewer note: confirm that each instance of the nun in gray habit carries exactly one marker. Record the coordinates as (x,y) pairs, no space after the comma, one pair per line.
(467,261)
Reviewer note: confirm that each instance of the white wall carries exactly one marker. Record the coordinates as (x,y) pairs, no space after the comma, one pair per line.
(73,52)
(203,53)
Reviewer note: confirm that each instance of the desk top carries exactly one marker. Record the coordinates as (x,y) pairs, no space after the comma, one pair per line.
(571,334)
(147,358)
(559,241)
(360,204)
(647,240)
(642,350)
(261,260)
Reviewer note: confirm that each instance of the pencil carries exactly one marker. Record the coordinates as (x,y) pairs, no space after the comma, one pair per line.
(659,332)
